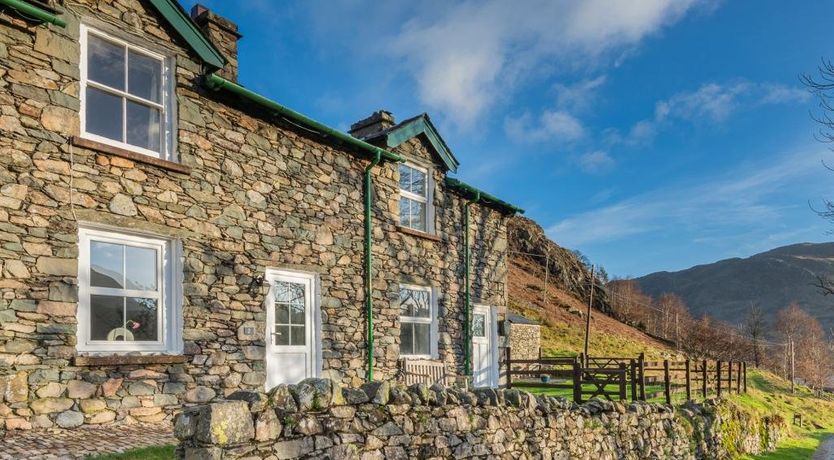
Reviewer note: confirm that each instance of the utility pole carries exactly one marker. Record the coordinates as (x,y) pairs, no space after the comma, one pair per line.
(793,369)
(546,276)
(588,317)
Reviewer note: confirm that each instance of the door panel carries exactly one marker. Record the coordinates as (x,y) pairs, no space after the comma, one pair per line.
(484,352)
(292,318)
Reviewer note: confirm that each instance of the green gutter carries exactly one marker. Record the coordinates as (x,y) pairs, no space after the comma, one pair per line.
(179,19)
(212,81)
(27,9)
(378,155)
(467,307)
(483,197)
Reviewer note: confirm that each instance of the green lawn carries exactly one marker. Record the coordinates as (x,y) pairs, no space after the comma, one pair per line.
(146,453)
(793,449)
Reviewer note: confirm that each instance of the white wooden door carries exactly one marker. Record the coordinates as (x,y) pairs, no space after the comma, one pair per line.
(292,339)
(484,347)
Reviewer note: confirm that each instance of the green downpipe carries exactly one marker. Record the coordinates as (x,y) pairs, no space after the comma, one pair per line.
(378,155)
(28,9)
(369,265)
(467,308)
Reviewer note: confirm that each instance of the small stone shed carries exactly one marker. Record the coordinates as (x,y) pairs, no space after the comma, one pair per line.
(523,336)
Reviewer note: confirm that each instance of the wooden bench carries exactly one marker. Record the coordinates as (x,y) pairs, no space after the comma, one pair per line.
(423,371)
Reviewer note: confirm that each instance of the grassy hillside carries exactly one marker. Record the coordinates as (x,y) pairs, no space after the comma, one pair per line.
(562,317)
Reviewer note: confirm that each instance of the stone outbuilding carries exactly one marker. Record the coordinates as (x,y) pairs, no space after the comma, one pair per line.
(523,336)
(170,237)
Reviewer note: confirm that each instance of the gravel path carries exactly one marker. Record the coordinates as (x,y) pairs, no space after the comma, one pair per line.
(825,450)
(81,442)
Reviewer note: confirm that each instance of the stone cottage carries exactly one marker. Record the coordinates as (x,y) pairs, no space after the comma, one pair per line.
(170,237)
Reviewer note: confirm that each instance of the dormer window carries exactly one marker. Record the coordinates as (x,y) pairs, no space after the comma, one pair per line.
(126,95)
(415,198)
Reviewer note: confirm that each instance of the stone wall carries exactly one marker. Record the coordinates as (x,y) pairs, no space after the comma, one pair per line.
(524,340)
(255,193)
(318,419)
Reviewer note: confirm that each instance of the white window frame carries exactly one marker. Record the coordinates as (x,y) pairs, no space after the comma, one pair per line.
(170,293)
(428,199)
(431,321)
(167,121)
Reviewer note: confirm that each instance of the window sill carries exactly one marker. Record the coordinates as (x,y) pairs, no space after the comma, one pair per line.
(418,233)
(123,360)
(124,153)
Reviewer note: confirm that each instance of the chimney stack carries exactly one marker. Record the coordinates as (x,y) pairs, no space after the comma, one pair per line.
(369,127)
(223,34)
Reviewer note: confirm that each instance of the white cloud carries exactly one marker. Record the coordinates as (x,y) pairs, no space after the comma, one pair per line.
(549,126)
(596,162)
(579,96)
(746,196)
(467,55)
(711,103)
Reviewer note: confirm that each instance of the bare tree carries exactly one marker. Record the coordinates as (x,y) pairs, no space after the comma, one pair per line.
(754,326)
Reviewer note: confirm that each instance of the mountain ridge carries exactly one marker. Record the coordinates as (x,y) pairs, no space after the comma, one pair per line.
(726,288)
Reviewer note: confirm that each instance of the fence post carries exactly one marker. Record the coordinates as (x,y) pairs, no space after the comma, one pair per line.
(633,376)
(509,369)
(688,381)
(729,377)
(745,376)
(577,382)
(738,377)
(622,368)
(667,384)
(718,378)
(704,376)
(641,363)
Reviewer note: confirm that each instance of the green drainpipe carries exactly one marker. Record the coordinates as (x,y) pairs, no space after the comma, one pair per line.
(377,154)
(369,265)
(467,308)
(27,9)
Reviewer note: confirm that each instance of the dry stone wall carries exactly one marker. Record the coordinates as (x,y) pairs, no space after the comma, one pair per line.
(318,419)
(257,193)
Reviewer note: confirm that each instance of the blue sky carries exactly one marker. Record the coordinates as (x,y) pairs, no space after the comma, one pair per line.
(650,135)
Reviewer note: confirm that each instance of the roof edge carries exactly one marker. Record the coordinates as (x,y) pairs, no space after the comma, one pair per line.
(468,191)
(422,124)
(179,19)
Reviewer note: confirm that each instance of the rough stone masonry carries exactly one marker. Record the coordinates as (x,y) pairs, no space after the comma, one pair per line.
(244,192)
(318,419)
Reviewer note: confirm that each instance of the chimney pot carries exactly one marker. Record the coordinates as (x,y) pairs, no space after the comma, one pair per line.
(372,125)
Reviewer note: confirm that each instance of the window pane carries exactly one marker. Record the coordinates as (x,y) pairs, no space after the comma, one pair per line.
(405,212)
(478,325)
(143,126)
(104,114)
(418,215)
(141,318)
(141,268)
(282,335)
(107,318)
(297,313)
(289,292)
(105,62)
(422,336)
(106,264)
(415,302)
(297,336)
(406,339)
(282,313)
(144,76)
(418,182)
(405,177)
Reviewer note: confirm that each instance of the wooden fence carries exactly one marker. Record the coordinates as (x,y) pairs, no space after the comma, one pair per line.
(620,378)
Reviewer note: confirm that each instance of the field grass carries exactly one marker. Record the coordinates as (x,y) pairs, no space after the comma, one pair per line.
(770,395)
(145,453)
